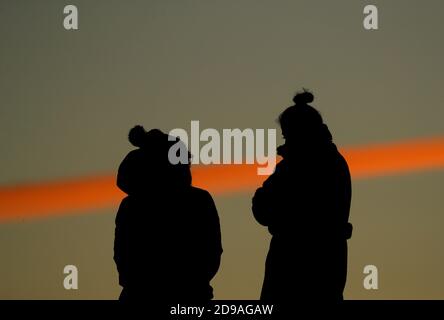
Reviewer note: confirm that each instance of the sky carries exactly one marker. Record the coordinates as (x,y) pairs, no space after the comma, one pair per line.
(68,99)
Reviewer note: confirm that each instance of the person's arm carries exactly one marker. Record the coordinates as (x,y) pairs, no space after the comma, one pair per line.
(120,242)
(341,200)
(214,238)
(265,198)
(347,201)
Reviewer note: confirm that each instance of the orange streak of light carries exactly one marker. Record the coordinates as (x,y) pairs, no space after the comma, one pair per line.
(93,193)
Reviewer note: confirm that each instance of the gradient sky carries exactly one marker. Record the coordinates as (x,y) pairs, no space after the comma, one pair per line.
(68,99)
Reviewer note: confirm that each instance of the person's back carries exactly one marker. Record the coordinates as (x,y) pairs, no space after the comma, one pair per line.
(168,242)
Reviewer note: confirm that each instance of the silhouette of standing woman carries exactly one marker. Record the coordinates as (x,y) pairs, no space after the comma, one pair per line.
(167,239)
(305,204)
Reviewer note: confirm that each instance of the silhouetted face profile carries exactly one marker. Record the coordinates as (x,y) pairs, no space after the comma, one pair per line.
(148,168)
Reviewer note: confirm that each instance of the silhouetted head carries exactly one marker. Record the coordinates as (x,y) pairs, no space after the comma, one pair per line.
(148,167)
(302,123)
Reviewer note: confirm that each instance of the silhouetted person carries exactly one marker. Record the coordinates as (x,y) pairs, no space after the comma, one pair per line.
(167,240)
(305,204)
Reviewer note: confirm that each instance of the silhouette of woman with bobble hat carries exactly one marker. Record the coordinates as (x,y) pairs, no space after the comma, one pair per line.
(167,243)
(305,204)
